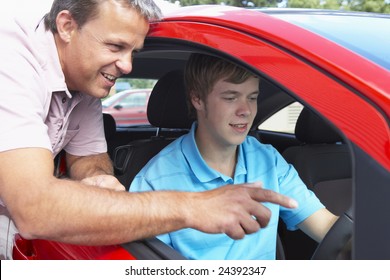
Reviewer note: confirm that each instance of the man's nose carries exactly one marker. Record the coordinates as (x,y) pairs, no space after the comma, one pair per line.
(125,63)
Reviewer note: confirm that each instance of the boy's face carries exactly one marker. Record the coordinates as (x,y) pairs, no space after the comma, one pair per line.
(94,55)
(227,114)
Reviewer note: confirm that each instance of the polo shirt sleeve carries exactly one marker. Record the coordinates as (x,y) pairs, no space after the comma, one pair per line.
(290,184)
(88,131)
(23,92)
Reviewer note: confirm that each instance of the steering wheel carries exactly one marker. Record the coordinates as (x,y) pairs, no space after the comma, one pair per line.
(337,242)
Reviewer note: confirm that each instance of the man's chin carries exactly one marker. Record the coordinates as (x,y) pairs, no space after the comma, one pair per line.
(98,93)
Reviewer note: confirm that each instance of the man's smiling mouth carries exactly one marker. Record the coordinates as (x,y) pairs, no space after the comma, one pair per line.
(109,77)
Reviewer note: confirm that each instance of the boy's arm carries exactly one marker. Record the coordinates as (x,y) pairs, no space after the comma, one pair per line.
(318,224)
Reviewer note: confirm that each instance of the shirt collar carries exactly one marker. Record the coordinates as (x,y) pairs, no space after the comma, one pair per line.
(197,164)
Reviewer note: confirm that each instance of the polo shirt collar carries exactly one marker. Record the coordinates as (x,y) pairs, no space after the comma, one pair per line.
(199,167)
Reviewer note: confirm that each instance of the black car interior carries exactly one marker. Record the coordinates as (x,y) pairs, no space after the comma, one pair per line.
(167,111)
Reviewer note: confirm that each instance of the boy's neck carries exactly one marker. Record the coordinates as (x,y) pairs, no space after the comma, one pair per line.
(226,167)
(219,158)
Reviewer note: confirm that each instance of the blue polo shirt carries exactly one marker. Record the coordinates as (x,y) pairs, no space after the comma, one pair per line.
(180,167)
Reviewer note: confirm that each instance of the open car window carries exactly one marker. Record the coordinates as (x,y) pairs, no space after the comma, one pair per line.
(284,120)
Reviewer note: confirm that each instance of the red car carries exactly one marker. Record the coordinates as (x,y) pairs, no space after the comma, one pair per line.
(128,107)
(335,64)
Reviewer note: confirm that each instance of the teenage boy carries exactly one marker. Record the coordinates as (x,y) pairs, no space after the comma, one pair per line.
(218,151)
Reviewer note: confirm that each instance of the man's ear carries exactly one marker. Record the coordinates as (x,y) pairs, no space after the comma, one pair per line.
(65,25)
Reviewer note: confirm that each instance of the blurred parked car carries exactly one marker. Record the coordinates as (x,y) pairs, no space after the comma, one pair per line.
(335,64)
(121,86)
(128,107)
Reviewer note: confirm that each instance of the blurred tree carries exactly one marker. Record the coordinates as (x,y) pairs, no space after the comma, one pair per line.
(237,3)
(312,4)
(378,6)
(333,4)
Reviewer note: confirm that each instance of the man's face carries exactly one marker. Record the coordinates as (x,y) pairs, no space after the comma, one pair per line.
(226,116)
(95,55)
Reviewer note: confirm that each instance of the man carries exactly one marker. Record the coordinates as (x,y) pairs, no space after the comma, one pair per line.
(53,73)
(218,151)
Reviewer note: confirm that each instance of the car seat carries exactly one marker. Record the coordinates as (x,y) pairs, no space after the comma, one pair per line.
(324,163)
(167,108)
(109,132)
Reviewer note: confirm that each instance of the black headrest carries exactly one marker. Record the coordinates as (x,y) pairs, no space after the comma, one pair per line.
(310,128)
(109,125)
(167,107)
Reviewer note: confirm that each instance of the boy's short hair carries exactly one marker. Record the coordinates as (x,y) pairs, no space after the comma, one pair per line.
(203,71)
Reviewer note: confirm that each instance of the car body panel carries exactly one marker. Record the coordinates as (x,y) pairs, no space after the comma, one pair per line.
(273,38)
(151,249)
(319,51)
(45,250)
(374,46)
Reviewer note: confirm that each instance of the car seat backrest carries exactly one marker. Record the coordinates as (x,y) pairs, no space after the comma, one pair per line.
(109,132)
(323,161)
(167,108)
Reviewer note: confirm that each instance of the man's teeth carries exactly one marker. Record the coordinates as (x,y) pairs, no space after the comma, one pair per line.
(109,77)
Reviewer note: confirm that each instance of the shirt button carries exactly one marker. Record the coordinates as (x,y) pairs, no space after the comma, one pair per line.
(64,100)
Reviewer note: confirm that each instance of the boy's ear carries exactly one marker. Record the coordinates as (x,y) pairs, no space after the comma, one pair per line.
(196,101)
(66,25)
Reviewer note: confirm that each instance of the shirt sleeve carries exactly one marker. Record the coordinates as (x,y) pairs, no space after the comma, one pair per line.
(290,184)
(24,94)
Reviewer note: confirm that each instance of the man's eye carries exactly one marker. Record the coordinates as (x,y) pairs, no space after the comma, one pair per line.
(115,47)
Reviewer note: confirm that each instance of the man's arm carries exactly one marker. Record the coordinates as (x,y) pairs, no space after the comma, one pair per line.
(93,170)
(45,207)
(80,167)
(318,224)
